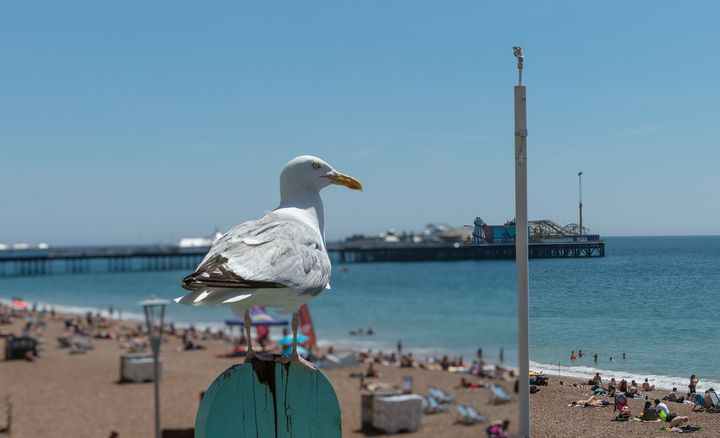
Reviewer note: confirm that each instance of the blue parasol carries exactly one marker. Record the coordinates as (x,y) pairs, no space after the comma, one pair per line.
(288,340)
(302,351)
(258,317)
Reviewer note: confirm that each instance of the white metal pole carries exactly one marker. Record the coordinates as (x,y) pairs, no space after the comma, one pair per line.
(521,247)
(155,344)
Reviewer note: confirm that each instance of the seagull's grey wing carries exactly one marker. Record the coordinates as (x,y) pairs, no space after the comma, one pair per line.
(276,251)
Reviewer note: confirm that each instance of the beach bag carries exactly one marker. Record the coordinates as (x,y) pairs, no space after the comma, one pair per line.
(649,415)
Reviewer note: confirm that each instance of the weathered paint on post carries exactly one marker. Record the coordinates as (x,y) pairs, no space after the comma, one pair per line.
(265,398)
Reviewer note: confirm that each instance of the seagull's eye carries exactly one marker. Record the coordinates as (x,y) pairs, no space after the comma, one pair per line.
(316,165)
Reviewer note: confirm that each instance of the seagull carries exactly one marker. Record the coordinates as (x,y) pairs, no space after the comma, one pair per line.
(277,261)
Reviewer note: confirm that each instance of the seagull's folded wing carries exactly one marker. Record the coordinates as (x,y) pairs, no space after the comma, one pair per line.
(275,251)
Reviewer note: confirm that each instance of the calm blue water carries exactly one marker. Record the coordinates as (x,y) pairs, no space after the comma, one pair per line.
(653,297)
(656,298)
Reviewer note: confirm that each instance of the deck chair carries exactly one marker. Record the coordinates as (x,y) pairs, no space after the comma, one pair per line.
(475,414)
(468,415)
(77,348)
(440,395)
(432,406)
(500,395)
(85,342)
(699,402)
(714,400)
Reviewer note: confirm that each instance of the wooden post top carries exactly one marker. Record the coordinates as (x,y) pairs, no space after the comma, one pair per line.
(268,398)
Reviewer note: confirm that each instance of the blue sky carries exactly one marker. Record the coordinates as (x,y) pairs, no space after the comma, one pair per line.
(149,121)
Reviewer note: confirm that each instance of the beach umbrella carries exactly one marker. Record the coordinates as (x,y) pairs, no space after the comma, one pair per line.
(302,351)
(258,317)
(288,340)
(19,304)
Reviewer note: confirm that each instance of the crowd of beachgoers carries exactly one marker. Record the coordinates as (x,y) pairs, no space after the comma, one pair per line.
(457,392)
(451,399)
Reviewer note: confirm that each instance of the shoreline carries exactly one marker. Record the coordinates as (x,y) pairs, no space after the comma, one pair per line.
(584,373)
(359,343)
(578,372)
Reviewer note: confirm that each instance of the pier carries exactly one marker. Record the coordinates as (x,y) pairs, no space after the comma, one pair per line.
(174,258)
(427,252)
(99,259)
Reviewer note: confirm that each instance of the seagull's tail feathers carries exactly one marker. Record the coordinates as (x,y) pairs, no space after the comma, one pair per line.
(204,296)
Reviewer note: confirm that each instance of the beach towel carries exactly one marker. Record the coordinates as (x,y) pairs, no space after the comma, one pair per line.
(683,429)
(657,420)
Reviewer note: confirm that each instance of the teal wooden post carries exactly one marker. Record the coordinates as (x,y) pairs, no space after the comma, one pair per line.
(265,398)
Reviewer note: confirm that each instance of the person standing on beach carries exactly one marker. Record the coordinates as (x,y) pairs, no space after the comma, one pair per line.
(693,384)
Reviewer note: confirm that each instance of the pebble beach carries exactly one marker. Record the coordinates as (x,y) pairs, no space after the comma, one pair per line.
(64,394)
(78,395)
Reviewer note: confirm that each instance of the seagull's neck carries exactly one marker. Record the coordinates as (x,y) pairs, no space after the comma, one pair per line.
(305,204)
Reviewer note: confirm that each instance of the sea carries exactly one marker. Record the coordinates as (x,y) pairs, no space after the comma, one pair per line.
(656,299)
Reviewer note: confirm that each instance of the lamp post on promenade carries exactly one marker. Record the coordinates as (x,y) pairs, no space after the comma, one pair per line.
(154,318)
(521,247)
(580,200)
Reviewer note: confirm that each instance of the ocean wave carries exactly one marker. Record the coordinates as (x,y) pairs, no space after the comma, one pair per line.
(587,373)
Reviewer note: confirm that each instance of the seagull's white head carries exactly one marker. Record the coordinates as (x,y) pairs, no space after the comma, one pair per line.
(308,173)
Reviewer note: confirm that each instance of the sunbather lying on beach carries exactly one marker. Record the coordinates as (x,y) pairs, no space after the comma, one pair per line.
(371,371)
(673,396)
(591,402)
(464,384)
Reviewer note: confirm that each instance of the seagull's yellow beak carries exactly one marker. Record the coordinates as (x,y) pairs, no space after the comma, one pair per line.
(345,180)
